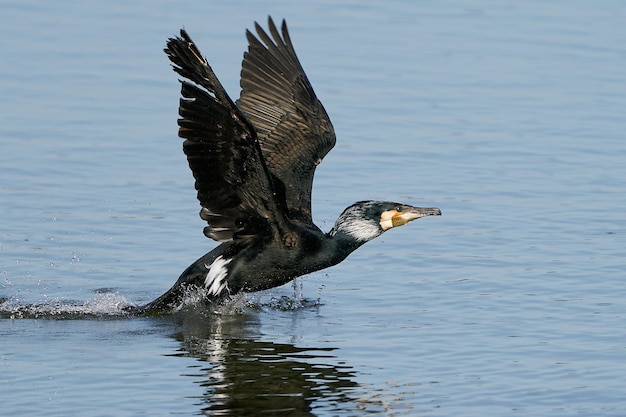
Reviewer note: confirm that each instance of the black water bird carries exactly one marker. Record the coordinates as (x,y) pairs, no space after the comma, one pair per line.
(253,161)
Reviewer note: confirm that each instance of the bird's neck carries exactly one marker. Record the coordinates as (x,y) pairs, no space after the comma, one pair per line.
(339,246)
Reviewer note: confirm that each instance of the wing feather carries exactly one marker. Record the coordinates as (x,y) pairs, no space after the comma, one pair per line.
(293,129)
(234,185)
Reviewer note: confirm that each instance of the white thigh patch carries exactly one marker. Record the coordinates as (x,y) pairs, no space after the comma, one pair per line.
(215,280)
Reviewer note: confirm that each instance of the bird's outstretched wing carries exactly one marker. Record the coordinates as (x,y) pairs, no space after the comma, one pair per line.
(233,183)
(293,128)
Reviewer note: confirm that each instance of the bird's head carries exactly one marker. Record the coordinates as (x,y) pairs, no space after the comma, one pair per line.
(365,220)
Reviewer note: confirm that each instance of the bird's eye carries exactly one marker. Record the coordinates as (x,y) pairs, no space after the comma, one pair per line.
(399,209)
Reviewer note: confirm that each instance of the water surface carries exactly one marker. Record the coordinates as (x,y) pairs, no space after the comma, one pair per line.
(507,116)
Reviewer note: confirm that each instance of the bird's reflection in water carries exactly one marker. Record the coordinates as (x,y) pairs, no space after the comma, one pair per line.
(245,375)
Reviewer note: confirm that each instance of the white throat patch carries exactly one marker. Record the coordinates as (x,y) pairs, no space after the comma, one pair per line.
(215,281)
(361,230)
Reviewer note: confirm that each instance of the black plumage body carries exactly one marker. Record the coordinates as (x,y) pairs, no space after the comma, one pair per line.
(257,267)
(253,162)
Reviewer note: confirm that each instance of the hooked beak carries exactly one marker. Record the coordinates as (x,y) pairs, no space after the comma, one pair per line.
(403,213)
(411,213)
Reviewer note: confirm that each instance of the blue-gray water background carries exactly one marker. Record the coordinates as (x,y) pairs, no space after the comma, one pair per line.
(509,116)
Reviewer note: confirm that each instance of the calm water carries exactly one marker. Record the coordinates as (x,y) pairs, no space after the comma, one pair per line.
(509,116)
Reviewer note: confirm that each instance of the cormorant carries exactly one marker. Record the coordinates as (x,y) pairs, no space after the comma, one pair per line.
(253,161)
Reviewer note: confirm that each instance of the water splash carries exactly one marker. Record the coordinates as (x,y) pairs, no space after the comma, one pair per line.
(290,302)
(102,304)
(106,302)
